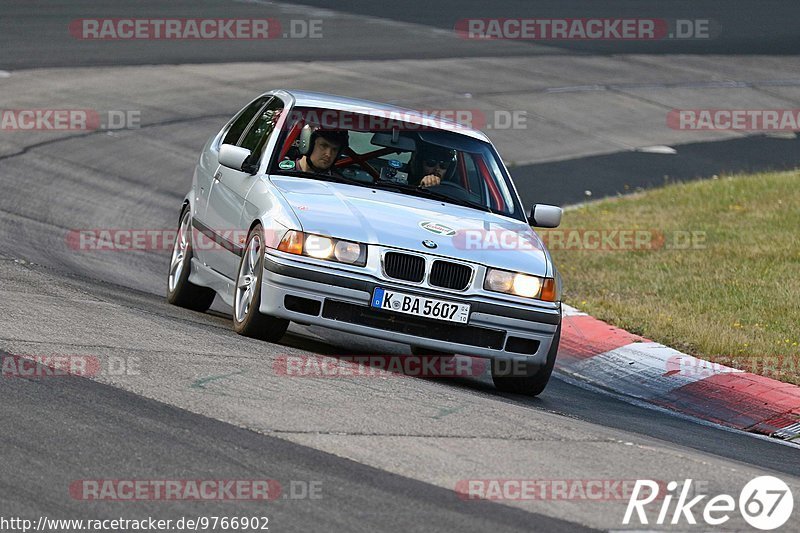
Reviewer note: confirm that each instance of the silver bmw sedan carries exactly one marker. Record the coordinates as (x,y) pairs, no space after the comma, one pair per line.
(373,220)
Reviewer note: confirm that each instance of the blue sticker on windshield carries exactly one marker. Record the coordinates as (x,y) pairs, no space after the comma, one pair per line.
(394,163)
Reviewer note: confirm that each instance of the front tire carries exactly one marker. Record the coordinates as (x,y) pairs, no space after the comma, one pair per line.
(247,320)
(181,291)
(534,379)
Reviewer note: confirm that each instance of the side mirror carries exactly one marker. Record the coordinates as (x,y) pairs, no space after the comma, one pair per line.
(545,216)
(234,157)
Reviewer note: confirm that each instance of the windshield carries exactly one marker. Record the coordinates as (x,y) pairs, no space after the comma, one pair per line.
(402,157)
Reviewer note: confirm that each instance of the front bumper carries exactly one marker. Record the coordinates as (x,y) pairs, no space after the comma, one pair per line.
(339,299)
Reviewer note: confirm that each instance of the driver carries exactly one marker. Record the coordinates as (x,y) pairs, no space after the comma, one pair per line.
(430,165)
(324,147)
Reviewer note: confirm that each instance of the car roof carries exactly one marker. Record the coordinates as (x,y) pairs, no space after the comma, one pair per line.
(357,105)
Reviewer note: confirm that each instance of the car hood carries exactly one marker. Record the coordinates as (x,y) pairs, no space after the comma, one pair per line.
(397,220)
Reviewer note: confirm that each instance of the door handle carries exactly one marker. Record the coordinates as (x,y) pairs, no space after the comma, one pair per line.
(217,176)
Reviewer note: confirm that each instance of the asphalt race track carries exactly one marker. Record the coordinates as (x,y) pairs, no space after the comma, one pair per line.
(190,399)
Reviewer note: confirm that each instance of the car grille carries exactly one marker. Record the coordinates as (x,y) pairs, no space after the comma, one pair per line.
(404,266)
(409,267)
(450,275)
(412,325)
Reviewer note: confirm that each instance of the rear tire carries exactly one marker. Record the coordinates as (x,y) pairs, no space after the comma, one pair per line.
(247,320)
(181,291)
(535,379)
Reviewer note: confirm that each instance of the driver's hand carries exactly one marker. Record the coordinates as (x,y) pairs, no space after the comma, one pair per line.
(431,180)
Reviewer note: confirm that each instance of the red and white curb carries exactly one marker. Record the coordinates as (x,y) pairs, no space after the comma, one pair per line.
(627,364)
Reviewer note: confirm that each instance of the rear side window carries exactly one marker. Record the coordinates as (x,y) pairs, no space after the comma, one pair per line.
(243,120)
(256,137)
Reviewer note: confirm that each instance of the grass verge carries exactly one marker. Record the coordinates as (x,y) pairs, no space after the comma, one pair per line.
(719,279)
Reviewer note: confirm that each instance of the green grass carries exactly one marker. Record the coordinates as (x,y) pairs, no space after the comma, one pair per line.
(734,299)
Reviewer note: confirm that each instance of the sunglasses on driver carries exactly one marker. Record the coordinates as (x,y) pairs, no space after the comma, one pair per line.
(441,163)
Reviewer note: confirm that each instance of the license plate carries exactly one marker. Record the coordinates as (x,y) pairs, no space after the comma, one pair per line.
(420,306)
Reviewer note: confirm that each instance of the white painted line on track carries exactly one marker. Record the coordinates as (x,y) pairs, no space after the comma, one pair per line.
(657,149)
(568,310)
(646,370)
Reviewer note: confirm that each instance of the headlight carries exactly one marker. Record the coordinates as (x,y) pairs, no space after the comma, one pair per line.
(520,285)
(347,252)
(499,281)
(321,247)
(527,286)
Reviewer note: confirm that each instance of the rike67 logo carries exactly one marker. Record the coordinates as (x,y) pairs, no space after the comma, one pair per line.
(765,503)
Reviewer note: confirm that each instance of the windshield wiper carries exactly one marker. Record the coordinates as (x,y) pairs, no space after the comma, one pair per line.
(427,193)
